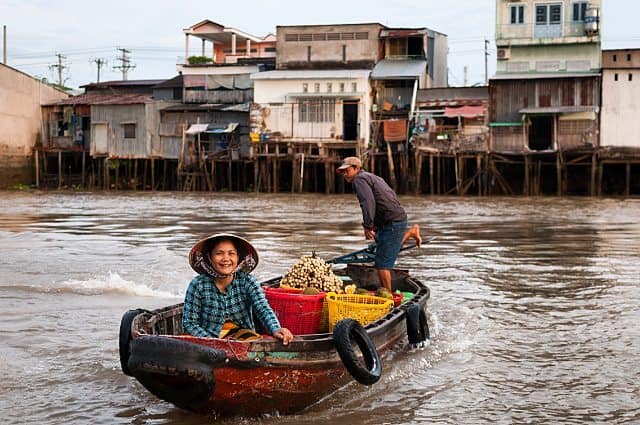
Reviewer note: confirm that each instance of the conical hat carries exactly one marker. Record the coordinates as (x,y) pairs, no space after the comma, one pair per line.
(200,261)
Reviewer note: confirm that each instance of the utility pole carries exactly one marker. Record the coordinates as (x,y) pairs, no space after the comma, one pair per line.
(4,44)
(125,62)
(465,75)
(60,67)
(100,63)
(486,61)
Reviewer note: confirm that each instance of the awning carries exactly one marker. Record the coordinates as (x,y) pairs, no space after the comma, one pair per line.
(399,69)
(557,110)
(196,128)
(465,111)
(212,128)
(222,128)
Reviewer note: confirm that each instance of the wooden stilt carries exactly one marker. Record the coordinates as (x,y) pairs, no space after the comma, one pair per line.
(105,166)
(431,187)
(479,173)
(418,159)
(36,158)
(59,169)
(559,173)
(135,174)
(145,168)
(153,174)
(392,172)
(594,171)
(627,189)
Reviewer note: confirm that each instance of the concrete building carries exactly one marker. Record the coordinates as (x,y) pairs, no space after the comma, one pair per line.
(620,123)
(545,96)
(21,123)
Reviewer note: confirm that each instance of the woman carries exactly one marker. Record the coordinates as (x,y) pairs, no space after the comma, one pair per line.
(224,293)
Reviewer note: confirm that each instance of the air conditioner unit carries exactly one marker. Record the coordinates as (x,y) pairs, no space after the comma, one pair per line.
(504,53)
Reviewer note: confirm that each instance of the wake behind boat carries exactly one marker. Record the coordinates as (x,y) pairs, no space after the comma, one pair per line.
(229,376)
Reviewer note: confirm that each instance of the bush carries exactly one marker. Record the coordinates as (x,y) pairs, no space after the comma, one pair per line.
(199,60)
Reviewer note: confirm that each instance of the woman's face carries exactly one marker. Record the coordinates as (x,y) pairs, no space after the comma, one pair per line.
(224,257)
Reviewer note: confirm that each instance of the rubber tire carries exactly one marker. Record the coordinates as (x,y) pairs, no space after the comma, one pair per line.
(125,338)
(417,326)
(176,371)
(345,333)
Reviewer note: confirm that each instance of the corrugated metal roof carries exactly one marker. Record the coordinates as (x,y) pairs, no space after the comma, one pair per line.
(309,74)
(123,83)
(175,82)
(103,99)
(452,96)
(540,75)
(399,69)
(557,110)
(239,107)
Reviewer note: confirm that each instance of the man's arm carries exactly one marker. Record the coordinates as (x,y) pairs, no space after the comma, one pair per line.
(367,202)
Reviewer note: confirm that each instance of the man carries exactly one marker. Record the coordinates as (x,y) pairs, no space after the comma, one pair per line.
(383,218)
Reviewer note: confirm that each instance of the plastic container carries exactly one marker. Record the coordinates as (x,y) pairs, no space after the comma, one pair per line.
(363,308)
(397,298)
(301,314)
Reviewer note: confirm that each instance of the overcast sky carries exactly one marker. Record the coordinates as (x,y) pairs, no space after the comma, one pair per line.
(86,30)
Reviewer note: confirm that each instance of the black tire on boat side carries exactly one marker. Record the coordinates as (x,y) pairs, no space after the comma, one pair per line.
(125,338)
(176,371)
(345,333)
(417,326)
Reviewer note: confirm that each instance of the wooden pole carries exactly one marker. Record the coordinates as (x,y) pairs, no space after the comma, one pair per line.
(36,157)
(145,168)
(627,189)
(431,187)
(59,169)
(135,174)
(594,171)
(418,159)
(559,173)
(526,189)
(479,172)
(84,163)
(392,171)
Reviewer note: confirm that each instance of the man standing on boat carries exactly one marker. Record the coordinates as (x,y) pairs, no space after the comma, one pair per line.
(383,218)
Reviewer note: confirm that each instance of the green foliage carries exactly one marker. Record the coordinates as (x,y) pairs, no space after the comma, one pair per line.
(199,60)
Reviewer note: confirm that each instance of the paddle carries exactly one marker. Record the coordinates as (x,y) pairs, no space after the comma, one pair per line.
(368,254)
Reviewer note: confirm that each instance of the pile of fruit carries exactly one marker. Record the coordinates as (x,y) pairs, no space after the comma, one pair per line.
(312,274)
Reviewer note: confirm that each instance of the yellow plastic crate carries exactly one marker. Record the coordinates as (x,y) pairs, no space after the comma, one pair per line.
(363,308)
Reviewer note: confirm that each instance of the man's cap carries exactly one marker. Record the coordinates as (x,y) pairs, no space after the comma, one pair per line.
(351,161)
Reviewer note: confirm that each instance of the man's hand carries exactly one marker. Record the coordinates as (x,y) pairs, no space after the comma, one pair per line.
(369,234)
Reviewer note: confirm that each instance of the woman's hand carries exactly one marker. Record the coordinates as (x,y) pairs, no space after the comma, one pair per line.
(284,335)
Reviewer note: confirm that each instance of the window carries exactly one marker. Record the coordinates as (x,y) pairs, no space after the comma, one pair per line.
(555,14)
(630,77)
(316,110)
(308,53)
(329,87)
(344,53)
(341,87)
(305,87)
(549,14)
(615,77)
(129,131)
(354,87)
(541,15)
(579,11)
(615,58)
(517,14)
(628,58)
(316,87)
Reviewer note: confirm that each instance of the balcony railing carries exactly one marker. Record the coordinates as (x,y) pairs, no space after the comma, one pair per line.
(521,33)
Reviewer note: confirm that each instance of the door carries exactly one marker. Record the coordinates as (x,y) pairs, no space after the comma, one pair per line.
(541,133)
(350,120)
(99,138)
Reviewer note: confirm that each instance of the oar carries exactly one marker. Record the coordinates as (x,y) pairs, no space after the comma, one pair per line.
(368,254)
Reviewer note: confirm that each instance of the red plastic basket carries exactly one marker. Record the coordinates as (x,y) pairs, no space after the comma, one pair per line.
(301,314)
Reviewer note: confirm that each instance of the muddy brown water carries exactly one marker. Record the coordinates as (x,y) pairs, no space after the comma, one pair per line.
(534,310)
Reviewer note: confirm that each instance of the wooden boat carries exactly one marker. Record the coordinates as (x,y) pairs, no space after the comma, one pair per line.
(233,377)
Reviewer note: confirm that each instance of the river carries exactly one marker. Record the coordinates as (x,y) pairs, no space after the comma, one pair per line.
(534,309)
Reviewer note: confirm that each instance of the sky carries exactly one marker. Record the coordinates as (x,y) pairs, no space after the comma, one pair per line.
(86,31)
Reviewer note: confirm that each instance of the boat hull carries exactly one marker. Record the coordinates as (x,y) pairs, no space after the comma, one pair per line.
(248,378)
